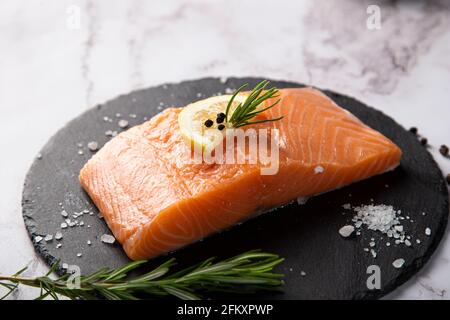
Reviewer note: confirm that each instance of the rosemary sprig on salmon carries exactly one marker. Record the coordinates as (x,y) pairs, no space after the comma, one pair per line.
(202,123)
(245,273)
(247,110)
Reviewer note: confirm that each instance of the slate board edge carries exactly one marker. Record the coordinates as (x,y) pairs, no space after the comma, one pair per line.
(411,269)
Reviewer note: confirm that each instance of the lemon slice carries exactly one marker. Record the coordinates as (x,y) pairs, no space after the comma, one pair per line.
(192,121)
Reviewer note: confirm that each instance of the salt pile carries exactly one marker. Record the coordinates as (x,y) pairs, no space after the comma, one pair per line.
(382,218)
(378,218)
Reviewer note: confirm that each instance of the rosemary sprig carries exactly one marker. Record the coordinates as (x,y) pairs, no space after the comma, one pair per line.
(246,273)
(246,111)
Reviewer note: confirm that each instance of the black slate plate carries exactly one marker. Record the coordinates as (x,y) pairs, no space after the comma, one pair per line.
(307,236)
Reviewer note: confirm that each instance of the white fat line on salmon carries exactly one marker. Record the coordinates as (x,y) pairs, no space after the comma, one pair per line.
(243,146)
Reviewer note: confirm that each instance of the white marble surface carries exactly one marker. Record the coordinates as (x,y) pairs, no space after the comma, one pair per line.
(50,72)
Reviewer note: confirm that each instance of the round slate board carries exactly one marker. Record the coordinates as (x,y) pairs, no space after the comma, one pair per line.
(305,235)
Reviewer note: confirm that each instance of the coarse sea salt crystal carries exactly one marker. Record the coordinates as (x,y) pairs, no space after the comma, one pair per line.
(302,200)
(38,239)
(58,236)
(302,273)
(347,206)
(318,169)
(398,263)
(346,231)
(107,238)
(48,238)
(93,146)
(374,254)
(123,123)
(428,231)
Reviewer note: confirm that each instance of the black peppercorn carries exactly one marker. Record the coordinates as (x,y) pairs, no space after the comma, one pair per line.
(209,123)
(413,130)
(444,150)
(220,117)
(221,127)
(424,141)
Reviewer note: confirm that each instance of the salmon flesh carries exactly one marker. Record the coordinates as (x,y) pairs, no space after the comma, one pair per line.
(155,200)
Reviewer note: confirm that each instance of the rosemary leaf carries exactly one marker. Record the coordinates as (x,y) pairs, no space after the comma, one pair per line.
(124,270)
(245,273)
(248,109)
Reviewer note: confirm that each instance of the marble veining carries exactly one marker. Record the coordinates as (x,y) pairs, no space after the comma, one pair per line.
(135,43)
(377,58)
(92,29)
(51,73)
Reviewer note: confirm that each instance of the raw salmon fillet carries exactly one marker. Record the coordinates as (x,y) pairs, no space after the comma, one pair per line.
(155,202)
